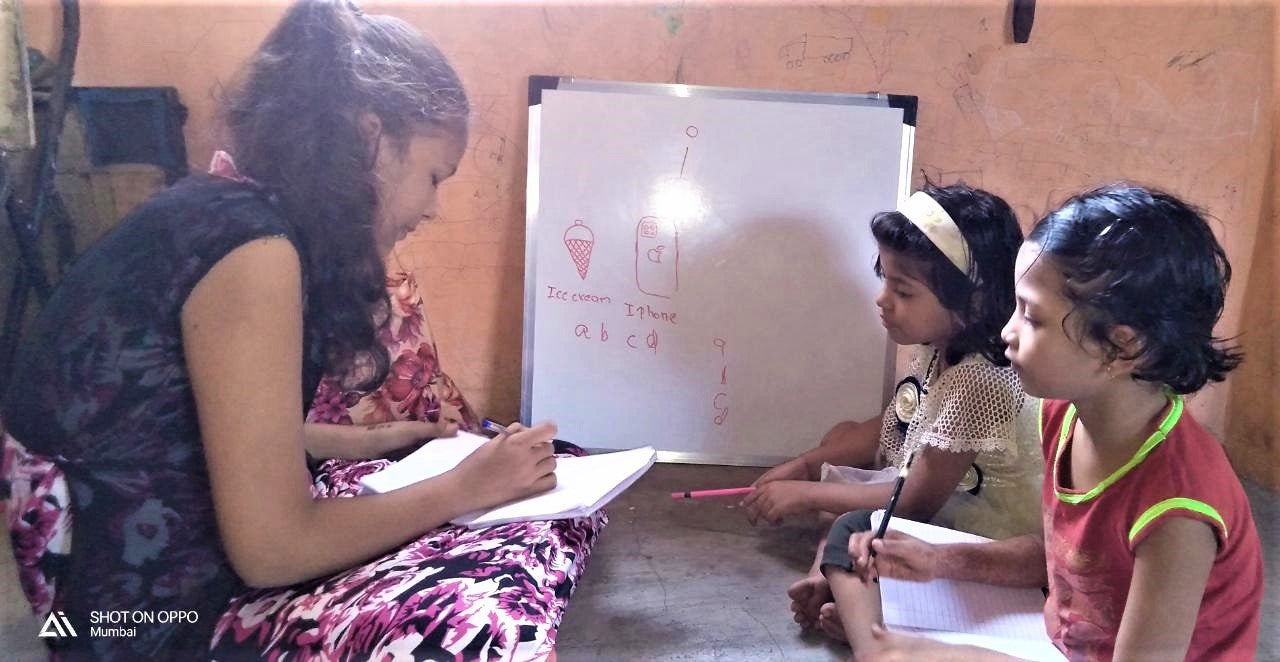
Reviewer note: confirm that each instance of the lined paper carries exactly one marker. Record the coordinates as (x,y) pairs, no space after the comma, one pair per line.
(965,612)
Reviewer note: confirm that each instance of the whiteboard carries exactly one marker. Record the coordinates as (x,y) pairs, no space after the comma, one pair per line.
(698,272)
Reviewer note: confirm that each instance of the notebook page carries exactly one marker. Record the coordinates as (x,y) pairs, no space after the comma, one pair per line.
(959,606)
(582,485)
(434,458)
(1036,651)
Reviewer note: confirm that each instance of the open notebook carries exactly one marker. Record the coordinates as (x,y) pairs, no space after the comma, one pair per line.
(583,484)
(1009,620)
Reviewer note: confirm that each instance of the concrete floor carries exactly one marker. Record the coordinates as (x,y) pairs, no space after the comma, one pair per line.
(692,580)
(683,580)
(18,627)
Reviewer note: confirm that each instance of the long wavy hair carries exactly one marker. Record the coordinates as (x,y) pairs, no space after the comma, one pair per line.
(293,123)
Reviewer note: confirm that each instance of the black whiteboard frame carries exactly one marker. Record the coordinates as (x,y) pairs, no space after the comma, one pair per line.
(540,83)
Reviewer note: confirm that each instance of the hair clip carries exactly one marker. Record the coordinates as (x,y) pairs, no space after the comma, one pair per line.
(1122,234)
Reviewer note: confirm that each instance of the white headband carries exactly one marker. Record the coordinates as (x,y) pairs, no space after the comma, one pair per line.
(925,213)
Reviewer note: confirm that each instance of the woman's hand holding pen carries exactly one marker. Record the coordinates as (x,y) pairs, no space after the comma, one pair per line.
(516,464)
(897,555)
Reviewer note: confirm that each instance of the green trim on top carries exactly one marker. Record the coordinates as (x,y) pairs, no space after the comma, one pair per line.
(1176,503)
(1170,420)
(1040,423)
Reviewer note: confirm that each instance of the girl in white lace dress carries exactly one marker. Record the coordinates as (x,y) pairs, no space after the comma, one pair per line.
(946,258)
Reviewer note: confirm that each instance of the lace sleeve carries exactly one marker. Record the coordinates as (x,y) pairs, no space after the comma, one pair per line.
(973,406)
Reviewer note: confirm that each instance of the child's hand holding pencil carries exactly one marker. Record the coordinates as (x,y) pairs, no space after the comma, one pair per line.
(896,555)
(773,502)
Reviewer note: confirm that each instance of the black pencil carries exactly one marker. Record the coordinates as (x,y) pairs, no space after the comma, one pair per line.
(893,498)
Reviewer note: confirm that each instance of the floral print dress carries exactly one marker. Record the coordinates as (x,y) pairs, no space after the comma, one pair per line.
(110,514)
(492,594)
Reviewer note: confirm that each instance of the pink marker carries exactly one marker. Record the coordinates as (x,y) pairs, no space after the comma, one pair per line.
(698,494)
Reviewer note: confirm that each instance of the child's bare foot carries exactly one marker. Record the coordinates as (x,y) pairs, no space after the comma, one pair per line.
(829,622)
(807,597)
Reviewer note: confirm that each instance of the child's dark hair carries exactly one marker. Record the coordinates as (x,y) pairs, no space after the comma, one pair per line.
(1144,259)
(983,298)
(294,126)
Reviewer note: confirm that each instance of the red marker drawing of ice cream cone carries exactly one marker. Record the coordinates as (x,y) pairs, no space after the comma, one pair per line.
(657,257)
(580,241)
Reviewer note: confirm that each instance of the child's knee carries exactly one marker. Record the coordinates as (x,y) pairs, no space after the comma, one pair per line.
(836,549)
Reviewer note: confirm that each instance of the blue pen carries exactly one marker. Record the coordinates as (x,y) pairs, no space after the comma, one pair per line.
(497,429)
